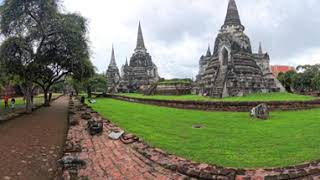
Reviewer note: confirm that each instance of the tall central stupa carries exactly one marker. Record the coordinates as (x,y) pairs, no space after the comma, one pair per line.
(233,69)
(140,71)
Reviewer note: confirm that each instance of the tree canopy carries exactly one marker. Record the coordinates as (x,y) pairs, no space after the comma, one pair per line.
(305,79)
(42,45)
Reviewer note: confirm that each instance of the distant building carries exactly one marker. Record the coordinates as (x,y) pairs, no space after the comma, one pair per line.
(140,71)
(113,75)
(276,69)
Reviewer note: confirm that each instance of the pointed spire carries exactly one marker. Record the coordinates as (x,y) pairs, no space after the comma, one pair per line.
(232,17)
(113,59)
(126,62)
(208,51)
(260,49)
(140,41)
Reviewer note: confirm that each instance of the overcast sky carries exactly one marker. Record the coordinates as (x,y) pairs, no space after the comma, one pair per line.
(177,32)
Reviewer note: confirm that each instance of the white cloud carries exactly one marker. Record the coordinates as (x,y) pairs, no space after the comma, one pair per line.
(177,32)
(309,56)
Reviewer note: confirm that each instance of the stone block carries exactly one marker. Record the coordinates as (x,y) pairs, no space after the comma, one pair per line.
(115,135)
(71,162)
(260,112)
(95,127)
(86,116)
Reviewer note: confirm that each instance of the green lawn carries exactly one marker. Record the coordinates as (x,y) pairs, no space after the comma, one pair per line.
(252,97)
(20,102)
(229,139)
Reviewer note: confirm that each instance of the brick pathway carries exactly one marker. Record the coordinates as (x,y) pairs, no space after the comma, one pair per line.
(31,144)
(112,159)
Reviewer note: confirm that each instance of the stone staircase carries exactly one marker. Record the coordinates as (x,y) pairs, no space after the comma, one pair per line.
(217,90)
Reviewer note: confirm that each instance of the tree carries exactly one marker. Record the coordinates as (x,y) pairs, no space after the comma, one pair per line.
(306,79)
(316,82)
(2,79)
(42,45)
(58,87)
(287,80)
(97,83)
(310,79)
(65,52)
(82,75)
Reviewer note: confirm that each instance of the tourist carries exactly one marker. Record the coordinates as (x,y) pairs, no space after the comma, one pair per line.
(6,101)
(13,102)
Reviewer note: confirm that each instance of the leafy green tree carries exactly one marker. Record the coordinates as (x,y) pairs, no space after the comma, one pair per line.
(287,79)
(316,82)
(58,87)
(21,23)
(97,83)
(310,79)
(42,46)
(84,78)
(67,52)
(306,79)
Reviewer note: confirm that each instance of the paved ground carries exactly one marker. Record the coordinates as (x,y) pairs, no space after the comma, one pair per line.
(31,144)
(112,159)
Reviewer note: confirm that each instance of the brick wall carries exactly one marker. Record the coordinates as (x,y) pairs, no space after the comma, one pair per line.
(223,106)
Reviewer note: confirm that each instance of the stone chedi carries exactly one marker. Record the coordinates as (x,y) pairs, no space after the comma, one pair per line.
(113,75)
(232,69)
(141,71)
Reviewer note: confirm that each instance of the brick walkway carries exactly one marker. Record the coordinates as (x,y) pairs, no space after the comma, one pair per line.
(112,159)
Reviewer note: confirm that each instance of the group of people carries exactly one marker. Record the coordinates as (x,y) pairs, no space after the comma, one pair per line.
(6,102)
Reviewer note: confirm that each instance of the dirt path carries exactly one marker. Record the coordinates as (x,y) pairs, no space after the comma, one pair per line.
(30,145)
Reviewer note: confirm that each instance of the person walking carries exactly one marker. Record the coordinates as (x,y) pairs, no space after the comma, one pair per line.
(6,101)
(13,103)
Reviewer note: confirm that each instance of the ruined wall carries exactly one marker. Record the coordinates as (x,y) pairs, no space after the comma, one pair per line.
(223,106)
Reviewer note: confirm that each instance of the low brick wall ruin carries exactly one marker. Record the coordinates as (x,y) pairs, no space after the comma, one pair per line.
(222,106)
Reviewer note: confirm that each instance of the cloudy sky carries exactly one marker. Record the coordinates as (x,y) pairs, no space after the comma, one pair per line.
(177,32)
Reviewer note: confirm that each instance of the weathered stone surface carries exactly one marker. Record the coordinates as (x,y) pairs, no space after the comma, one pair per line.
(115,135)
(113,75)
(260,112)
(86,116)
(71,162)
(233,69)
(223,106)
(72,147)
(95,127)
(141,70)
(73,121)
(177,88)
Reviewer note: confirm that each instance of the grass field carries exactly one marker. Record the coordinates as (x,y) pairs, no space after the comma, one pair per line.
(20,102)
(252,97)
(227,139)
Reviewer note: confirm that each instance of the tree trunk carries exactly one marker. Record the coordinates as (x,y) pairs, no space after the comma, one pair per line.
(28,96)
(46,98)
(89,92)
